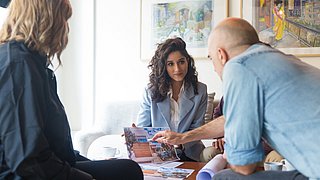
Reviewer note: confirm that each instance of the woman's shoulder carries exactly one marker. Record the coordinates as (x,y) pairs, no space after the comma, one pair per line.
(13,45)
(16,50)
(202,86)
(13,53)
(147,91)
(10,52)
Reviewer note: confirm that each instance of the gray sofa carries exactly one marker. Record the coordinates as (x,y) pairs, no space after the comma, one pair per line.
(118,115)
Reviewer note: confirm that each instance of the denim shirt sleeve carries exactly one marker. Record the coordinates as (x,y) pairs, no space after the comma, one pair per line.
(243,110)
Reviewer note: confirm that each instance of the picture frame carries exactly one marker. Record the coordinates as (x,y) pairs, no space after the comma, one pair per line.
(300,29)
(192,20)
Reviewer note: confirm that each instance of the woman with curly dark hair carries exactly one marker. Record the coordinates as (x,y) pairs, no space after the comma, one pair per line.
(174,97)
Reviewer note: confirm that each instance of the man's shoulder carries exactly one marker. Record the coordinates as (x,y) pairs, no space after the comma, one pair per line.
(255,59)
(255,51)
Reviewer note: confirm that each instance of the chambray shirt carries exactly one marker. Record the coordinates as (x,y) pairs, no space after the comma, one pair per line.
(275,96)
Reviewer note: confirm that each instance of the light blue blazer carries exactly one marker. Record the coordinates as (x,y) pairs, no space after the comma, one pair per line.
(192,112)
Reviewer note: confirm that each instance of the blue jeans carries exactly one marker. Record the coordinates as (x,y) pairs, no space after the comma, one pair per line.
(228,174)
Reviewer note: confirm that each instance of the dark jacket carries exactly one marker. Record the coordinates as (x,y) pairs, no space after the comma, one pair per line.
(35,140)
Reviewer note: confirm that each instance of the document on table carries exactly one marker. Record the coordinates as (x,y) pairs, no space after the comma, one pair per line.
(167,165)
(166,171)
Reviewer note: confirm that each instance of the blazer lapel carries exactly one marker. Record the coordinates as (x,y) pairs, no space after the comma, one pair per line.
(185,103)
(164,108)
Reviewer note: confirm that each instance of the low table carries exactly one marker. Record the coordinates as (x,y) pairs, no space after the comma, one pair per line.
(196,166)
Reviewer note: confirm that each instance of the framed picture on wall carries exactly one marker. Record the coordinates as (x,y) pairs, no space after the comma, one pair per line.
(192,20)
(292,26)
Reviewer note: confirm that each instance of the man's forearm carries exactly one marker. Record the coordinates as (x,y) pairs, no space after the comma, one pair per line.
(213,129)
(245,170)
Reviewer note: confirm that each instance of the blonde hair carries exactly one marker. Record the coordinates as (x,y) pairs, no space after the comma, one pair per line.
(41,24)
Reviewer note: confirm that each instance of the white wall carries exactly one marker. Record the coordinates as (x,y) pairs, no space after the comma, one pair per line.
(3,15)
(119,72)
(75,77)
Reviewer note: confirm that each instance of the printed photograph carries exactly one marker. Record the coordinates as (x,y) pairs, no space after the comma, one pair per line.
(165,172)
(142,149)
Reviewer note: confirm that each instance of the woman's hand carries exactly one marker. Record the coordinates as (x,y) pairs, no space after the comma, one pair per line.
(132,125)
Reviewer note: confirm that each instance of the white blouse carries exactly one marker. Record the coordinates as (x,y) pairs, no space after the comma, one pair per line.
(174,109)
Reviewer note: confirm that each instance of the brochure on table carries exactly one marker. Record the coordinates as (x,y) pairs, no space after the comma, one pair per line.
(150,171)
(142,149)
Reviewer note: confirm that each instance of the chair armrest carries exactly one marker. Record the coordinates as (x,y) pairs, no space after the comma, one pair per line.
(83,139)
(208,142)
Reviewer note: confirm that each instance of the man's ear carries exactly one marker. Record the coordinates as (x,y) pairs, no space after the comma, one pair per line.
(223,56)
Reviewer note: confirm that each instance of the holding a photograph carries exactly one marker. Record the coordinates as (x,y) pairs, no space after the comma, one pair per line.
(174,97)
(141,149)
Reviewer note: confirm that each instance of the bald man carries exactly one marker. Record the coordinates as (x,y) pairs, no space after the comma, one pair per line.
(262,89)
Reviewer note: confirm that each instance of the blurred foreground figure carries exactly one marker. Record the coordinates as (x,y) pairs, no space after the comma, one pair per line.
(35,140)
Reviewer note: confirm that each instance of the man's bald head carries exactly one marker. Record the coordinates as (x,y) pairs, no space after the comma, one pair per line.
(232,33)
(230,38)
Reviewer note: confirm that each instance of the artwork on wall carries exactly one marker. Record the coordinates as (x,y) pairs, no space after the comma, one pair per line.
(293,26)
(192,20)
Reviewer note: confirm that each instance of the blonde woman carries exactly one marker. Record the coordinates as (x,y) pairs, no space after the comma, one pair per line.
(35,140)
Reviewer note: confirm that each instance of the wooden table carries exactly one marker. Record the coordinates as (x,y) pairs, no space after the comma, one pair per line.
(192,165)
(197,167)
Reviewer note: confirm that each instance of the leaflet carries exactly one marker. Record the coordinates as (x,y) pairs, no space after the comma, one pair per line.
(142,149)
(150,171)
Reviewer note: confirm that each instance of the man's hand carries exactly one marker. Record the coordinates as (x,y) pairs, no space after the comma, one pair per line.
(224,155)
(169,137)
(213,129)
(219,144)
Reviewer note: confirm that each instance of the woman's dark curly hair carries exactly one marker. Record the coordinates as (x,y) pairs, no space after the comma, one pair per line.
(160,80)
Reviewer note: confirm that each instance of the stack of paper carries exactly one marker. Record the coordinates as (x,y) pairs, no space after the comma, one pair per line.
(212,167)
